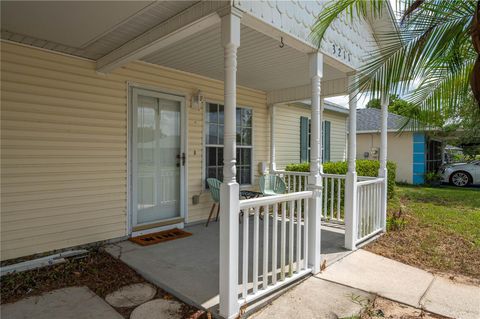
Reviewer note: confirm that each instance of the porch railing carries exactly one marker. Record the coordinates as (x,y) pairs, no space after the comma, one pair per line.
(294,181)
(333,195)
(270,260)
(369,208)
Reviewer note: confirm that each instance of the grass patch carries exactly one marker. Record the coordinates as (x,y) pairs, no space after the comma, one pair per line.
(441,231)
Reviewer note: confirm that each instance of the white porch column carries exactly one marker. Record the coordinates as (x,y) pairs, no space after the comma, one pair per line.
(273,165)
(229,191)
(382,172)
(351,178)
(315,178)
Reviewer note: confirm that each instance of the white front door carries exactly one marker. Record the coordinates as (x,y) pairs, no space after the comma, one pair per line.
(158,159)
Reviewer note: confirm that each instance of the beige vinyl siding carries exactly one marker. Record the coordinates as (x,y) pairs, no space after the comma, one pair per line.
(64,146)
(287,134)
(399,151)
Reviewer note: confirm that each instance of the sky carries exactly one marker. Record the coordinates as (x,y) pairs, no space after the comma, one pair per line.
(343,100)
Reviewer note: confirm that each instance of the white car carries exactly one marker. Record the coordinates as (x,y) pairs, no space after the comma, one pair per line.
(461,174)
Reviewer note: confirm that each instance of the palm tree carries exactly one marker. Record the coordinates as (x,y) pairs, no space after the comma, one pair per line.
(432,59)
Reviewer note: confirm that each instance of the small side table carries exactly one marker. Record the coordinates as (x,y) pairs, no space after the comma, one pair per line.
(249,195)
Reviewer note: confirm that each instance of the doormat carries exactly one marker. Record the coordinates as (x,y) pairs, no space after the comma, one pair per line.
(160,237)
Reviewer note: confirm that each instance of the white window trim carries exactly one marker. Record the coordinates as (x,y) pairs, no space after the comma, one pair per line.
(204,143)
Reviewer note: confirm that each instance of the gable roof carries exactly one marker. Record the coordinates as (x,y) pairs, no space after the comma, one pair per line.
(369,120)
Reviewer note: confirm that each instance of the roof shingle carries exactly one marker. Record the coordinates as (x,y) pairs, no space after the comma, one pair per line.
(370,120)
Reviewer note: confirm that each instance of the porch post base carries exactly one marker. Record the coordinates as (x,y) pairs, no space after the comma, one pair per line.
(351,211)
(315,228)
(229,210)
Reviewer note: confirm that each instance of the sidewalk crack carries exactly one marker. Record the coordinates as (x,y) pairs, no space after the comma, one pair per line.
(420,301)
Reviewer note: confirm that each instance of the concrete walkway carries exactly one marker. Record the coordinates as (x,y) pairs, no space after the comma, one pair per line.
(405,284)
(188,267)
(65,303)
(316,298)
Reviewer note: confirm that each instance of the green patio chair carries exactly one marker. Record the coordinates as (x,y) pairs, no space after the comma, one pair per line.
(214,185)
(271,185)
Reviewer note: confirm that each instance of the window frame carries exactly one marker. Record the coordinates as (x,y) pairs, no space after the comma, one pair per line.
(205,144)
(309,139)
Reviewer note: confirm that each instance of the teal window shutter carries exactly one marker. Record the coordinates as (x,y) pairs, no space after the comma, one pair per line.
(326,141)
(303,139)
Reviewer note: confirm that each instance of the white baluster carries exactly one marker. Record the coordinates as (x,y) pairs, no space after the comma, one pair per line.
(245,253)
(265,247)
(332,193)
(339,188)
(255,249)
(299,233)
(290,238)
(274,243)
(305,234)
(325,196)
(283,241)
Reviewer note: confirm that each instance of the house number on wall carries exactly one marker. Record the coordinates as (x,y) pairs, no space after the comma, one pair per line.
(341,53)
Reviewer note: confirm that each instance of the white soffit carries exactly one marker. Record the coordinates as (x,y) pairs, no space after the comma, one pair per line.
(71,23)
(262,64)
(88,29)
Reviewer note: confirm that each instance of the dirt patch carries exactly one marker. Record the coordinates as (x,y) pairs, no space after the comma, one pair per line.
(431,248)
(383,308)
(98,270)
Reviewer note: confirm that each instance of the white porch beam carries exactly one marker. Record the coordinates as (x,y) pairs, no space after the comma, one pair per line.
(229,190)
(329,88)
(192,20)
(315,178)
(351,178)
(382,172)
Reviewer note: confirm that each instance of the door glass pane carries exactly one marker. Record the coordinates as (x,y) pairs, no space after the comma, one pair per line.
(158,148)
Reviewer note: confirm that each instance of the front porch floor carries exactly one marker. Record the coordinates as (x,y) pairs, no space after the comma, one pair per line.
(188,267)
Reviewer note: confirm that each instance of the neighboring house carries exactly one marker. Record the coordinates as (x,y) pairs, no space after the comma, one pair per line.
(292,133)
(114,114)
(414,152)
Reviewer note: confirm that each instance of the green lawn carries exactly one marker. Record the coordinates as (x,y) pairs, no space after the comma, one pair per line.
(441,231)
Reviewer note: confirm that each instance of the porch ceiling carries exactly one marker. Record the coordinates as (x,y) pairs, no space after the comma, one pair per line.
(262,64)
(89,29)
(61,26)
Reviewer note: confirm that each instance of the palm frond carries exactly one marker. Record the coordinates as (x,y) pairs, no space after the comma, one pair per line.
(429,58)
(351,8)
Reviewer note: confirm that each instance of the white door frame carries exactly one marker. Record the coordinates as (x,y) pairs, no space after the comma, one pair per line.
(133,91)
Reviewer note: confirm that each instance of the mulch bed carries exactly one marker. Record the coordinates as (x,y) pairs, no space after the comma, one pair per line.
(431,249)
(98,270)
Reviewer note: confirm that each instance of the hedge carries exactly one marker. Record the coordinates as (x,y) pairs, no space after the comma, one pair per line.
(364,168)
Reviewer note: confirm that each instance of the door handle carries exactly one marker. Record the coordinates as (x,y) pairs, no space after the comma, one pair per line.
(182,158)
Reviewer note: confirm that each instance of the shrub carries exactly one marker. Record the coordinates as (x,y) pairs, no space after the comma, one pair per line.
(364,168)
(433,179)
